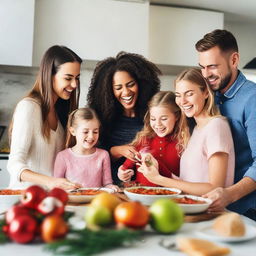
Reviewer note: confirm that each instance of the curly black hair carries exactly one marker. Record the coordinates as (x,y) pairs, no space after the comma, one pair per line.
(100,95)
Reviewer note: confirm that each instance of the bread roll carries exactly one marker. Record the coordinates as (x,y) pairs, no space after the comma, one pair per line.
(229,225)
(200,247)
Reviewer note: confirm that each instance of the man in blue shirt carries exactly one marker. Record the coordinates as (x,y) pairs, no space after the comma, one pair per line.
(236,97)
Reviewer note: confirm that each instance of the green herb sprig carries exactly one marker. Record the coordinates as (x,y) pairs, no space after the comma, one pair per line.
(87,242)
(3,236)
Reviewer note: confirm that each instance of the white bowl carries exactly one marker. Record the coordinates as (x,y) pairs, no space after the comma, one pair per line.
(7,201)
(86,198)
(149,199)
(194,208)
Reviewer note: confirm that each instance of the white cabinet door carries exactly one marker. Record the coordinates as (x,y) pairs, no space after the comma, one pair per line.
(173,33)
(16,30)
(4,174)
(94,29)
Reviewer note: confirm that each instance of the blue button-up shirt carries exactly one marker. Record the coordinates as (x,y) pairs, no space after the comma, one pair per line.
(238,104)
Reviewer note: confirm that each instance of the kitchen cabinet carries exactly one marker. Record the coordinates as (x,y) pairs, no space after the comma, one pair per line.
(4,174)
(16,30)
(94,29)
(173,33)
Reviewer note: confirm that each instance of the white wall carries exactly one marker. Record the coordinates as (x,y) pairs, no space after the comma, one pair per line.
(245,34)
(174,31)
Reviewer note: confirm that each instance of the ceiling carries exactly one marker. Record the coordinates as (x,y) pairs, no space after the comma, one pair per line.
(234,10)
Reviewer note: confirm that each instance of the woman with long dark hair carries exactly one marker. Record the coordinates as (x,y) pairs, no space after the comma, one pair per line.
(39,120)
(119,92)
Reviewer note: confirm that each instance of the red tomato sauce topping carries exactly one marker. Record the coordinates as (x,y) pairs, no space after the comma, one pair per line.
(11,192)
(151,191)
(187,200)
(85,192)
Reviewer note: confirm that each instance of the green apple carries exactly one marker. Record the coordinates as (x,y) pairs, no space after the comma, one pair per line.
(97,215)
(166,216)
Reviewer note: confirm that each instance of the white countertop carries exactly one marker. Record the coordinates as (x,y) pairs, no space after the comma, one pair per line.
(148,246)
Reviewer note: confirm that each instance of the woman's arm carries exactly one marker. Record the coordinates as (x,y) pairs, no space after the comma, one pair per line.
(217,175)
(44,180)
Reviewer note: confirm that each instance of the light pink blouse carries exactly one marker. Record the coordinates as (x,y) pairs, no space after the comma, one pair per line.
(214,137)
(88,170)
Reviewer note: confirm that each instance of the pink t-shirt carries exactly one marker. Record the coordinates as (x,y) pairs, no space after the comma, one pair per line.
(214,137)
(88,170)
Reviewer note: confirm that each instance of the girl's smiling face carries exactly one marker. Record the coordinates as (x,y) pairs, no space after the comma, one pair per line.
(86,133)
(190,98)
(162,120)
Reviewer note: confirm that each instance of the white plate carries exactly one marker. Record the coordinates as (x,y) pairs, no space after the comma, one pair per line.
(209,233)
(149,199)
(194,208)
(86,198)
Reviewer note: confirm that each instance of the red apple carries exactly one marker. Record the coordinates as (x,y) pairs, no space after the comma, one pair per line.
(32,196)
(51,205)
(59,193)
(22,229)
(14,211)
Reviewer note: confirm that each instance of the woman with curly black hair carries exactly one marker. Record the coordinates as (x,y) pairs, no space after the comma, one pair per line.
(119,92)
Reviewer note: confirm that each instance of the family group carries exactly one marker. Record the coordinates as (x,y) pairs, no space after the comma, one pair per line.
(201,138)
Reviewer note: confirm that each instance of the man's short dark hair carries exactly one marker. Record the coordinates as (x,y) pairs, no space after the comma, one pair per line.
(224,39)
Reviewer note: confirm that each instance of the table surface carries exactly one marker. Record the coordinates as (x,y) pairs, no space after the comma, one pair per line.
(148,245)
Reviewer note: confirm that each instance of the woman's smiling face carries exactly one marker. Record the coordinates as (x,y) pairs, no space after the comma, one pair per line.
(66,80)
(190,98)
(126,91)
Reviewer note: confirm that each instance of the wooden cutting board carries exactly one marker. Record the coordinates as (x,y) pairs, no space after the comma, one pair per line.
(202,216)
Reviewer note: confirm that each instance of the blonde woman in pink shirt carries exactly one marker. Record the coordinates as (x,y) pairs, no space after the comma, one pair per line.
(204,141)
(82,162)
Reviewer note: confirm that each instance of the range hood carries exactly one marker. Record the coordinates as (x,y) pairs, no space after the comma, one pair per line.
(251,64)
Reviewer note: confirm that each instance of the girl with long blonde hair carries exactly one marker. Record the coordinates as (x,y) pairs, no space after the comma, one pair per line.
(158,136)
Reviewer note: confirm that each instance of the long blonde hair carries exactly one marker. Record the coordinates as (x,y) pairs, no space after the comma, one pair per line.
(73,119)
(194,76)
(160,99)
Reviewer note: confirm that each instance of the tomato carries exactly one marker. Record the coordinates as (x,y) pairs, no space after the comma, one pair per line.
(132,214)
(53,228)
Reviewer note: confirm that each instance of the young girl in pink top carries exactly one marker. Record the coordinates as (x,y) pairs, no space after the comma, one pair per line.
(82,162)
(204,140)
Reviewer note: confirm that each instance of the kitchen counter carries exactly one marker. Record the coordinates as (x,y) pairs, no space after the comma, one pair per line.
(4,155)
(147,246)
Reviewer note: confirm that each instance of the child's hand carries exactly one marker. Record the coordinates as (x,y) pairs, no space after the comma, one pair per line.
(149,167)
(114,187)
(125,174)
